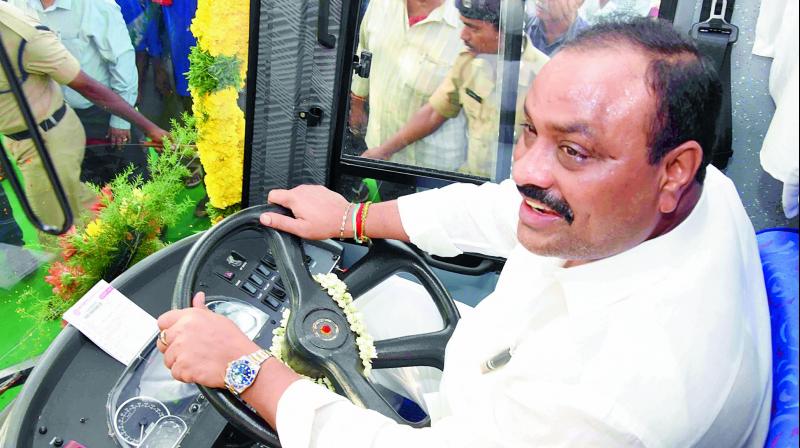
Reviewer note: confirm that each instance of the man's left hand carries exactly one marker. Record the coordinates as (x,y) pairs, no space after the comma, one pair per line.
(200,344)
(119,137)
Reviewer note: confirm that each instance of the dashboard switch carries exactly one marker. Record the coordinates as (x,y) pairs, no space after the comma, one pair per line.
(271,302)
(247,286)
(257,280)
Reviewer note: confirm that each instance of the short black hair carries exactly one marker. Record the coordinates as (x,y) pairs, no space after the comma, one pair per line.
(686,86)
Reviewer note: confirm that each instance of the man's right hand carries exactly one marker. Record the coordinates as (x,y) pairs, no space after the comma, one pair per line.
(156,136)
(317,212)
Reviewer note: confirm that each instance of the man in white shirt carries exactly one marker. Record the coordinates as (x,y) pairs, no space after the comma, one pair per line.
(632,300)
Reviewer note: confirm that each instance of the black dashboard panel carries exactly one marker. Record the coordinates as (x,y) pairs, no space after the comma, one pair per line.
(66,395)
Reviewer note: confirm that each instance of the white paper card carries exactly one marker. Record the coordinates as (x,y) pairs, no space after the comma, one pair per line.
(113,322)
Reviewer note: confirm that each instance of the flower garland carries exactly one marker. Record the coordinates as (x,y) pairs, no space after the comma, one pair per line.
(217,70)
(337,289)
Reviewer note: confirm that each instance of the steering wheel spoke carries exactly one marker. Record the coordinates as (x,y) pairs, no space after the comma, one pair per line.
(415,350)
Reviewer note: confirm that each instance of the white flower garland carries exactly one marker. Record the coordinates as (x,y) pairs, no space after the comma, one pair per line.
(338,292)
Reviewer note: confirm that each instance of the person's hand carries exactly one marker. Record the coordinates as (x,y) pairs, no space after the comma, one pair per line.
(200,344)
(317,212)
(156,136)
(119,137)
(358,116)
(376,153)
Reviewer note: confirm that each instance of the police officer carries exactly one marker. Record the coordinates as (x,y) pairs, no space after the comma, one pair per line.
(41,63)
(471,85)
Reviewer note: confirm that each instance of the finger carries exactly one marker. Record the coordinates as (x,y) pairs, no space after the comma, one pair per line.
(169,357)
(280,197)
(284,223)
(199,300)
(169,318)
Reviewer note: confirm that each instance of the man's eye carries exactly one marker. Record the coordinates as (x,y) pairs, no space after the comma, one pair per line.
(528,128)
(574,153)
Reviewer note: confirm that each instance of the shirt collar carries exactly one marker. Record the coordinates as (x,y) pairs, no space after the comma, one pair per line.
(62,4)
(447,13)
(600,284)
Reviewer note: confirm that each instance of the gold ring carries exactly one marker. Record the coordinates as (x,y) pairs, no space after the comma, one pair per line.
(162,337)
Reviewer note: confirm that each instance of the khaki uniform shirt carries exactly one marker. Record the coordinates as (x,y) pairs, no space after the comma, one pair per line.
(471,85)
(39,60)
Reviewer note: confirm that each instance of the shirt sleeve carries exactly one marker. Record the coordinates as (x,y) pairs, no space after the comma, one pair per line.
(463,218)
(446,100)
(117,50)
(310,416)
(45,55)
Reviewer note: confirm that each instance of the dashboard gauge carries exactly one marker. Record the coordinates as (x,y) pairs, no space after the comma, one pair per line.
(167,433)
(135,418)
(248,318)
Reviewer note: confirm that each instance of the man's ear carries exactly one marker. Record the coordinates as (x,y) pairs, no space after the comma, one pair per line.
(679,167)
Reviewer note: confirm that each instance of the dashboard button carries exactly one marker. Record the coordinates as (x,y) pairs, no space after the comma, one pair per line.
(247,286)
(263,270)
(257,279)
(271,302)
(279,293)
(227,275)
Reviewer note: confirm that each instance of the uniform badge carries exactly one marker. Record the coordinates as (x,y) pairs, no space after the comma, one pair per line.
(467,3)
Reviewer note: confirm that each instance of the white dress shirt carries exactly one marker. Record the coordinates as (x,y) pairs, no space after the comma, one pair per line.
(95,33)
(664,345)
(776,37)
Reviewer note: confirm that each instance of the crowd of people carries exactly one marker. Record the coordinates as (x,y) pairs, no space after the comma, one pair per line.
(83,66)
(432,99)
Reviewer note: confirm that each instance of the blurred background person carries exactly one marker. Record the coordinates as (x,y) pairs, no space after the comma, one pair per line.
(470,85)
(42,63)
(93,31)
(551,22)
(414,44)
(143,19)
(596,11)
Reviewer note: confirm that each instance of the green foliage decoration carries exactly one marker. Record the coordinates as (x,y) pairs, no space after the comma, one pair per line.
(209,74)
(123,228)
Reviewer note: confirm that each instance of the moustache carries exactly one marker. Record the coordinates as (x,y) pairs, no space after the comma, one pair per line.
(548,198)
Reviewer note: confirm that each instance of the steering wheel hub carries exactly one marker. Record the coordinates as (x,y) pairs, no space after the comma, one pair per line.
(326,328)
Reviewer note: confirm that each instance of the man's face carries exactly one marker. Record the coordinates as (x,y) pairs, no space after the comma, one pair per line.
(590,191)
(480,36)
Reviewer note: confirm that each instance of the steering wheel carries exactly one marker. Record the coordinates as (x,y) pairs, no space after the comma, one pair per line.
(335,357)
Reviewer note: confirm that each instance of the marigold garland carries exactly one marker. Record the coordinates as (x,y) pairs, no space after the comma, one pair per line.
(220,121)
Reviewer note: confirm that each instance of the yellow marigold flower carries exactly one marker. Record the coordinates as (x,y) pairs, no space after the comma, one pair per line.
(94,228)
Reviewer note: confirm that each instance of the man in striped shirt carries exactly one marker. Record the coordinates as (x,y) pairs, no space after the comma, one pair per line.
(414,44)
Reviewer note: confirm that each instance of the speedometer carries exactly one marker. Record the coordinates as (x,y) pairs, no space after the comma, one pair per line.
(134,418)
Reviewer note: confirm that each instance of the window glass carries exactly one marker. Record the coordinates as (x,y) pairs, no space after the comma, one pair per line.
(432,97)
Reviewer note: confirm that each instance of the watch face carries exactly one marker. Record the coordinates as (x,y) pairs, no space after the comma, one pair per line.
(241,374)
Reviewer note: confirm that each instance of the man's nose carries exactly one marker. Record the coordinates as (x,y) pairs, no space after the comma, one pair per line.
(534,165)
(465,35)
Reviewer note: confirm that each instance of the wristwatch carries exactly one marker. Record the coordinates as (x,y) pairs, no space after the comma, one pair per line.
(241,373)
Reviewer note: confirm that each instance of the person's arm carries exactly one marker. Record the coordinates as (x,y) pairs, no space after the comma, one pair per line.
(422,124)
(110,101)
(319,214)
